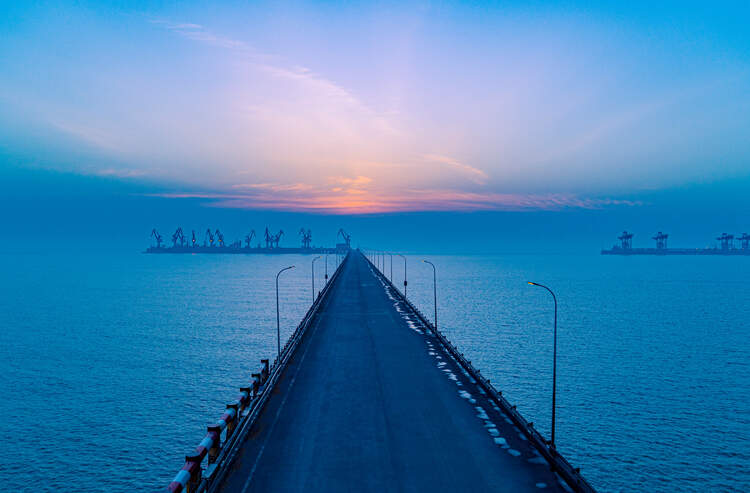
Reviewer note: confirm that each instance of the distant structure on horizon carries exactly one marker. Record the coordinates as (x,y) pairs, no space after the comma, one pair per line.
(726,246)
(213,242)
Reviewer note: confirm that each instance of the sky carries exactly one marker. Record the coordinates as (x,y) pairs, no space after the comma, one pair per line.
(509,121)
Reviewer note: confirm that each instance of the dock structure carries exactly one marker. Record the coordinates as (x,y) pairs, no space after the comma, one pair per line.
(368,396)
(238,249)
(726,241)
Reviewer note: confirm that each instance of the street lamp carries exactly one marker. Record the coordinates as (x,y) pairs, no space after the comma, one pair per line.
(554,361)
(313,277)
(326,268)
(404,272)
(434,288)
(278,321)
(391,266)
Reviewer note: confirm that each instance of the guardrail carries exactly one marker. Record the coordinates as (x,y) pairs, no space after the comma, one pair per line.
(571,475)
(240,415)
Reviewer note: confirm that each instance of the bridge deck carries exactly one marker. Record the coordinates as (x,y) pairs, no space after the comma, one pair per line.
(370,402)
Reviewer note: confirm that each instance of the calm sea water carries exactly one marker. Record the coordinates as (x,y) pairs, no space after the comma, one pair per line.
(111,365)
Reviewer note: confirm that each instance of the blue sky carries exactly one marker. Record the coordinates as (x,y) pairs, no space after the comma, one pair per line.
(566,110)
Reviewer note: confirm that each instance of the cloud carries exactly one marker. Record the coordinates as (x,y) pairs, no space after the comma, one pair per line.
(120,173)
(345,200)
(197,32)
(268,133)
(275,187)
(475,174)
(358,181)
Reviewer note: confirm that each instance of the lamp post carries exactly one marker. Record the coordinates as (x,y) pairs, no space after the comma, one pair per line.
(278,320)
(405,283)
(391,255)
(326,268)
(434,288)
(313,277)
(554,362)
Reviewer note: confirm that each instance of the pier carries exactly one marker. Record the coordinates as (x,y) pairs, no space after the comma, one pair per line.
(215,243)
(726,246)
(367,395)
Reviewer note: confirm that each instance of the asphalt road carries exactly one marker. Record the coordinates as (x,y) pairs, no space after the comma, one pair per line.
(370,402)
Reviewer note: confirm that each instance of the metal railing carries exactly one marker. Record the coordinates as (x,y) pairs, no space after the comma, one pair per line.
(239,416)
(571,475)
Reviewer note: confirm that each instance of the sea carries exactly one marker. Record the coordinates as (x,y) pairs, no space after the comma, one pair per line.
(112,364)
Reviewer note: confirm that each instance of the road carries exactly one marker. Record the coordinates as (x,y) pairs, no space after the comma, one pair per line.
(370,402)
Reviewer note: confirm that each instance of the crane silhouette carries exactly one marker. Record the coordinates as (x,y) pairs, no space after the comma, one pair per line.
(306,237)
(745,239)
(661,240)
(208,236)
(220,237)
(178,236)
(626,239)
(157,237)
(275,239)
(249,238)
(347,238)
(726,241)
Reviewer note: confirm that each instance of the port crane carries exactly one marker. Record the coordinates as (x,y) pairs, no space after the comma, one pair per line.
(661,240)
(220,237)
(726,241)
(627,240)
(210,237)
(269,238)
(275,239)
(745,241)
(306,237)
(157,237)
(178,236)
(194,240)
(347,238)
(249,238)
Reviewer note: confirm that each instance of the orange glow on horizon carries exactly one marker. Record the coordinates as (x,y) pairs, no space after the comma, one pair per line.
(362,201)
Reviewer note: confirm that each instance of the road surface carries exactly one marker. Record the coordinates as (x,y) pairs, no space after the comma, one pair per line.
(370,402)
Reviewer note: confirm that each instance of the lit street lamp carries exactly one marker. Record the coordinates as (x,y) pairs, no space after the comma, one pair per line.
(554,362)
(278,321)
(434,288)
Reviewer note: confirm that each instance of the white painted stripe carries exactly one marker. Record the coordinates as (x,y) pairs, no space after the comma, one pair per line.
(182,477)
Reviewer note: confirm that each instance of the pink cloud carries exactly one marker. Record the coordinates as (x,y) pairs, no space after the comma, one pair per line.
(352,200)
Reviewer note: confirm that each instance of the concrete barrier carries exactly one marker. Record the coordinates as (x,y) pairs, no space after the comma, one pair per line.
(189,478)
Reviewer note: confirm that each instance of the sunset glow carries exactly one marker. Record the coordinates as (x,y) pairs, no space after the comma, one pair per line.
(360,110)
